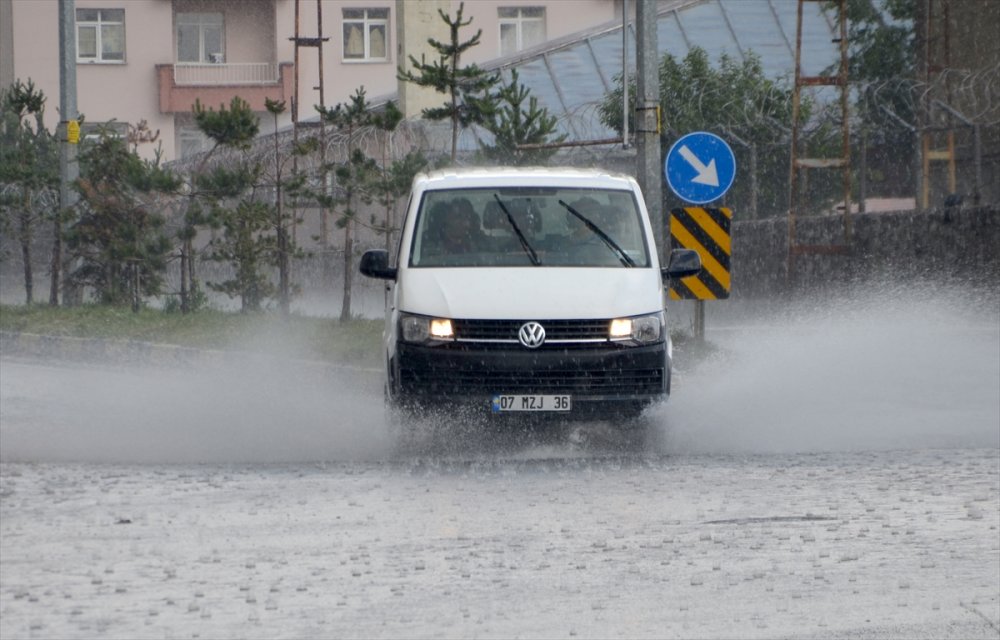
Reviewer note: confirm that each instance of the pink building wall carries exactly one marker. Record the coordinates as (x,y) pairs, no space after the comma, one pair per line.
(256,31)
(563,17)
(127,92)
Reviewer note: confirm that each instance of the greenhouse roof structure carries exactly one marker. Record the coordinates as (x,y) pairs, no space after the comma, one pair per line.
(571,76)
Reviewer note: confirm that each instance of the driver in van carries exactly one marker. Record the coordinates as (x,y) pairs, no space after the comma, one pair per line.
(588,208)
(583,243)
(609,219)
(455,228)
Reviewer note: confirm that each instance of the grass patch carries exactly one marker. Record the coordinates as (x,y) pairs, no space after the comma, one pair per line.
(355,342)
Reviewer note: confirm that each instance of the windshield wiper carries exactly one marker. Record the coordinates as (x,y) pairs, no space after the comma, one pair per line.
(520,236)
(622,256)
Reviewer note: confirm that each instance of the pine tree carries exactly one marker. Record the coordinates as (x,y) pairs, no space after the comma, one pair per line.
(467,88)
(118,239)
(284,244)
(386,122)
(514,124)
(28,171)
(235,205)
(352,176)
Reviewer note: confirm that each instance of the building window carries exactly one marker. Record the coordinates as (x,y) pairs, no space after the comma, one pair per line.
(94,131)
(100,35)
(191,141)
(366,34)
(200,38)
(520,28)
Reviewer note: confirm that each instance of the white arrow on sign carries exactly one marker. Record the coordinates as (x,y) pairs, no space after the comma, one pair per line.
(706,175)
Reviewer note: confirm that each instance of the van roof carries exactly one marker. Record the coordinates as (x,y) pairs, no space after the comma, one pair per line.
(459,177)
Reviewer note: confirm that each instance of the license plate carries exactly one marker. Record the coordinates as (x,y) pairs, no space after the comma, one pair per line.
(503,403)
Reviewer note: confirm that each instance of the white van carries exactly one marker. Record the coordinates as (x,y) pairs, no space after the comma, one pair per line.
(533,290)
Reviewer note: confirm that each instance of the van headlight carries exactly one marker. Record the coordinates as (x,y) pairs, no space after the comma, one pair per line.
(423,329)
(637,329)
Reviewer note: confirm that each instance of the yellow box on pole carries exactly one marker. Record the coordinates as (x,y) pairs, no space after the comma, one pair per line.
(73,131)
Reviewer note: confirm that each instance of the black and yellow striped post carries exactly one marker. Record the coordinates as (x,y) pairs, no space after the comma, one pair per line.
(707,232)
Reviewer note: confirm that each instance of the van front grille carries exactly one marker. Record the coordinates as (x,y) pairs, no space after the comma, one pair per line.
(555,330)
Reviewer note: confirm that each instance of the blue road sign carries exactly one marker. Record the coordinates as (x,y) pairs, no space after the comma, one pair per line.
(700,167)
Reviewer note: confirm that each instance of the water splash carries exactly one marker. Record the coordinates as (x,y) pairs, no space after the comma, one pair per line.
(889,369)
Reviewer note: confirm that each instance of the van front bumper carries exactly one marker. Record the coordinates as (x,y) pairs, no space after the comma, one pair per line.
(597,378)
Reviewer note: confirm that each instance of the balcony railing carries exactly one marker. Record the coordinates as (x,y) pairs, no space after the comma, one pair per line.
(183,85)
(193,74)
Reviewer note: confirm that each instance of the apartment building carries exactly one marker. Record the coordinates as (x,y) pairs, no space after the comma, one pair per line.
(141,64)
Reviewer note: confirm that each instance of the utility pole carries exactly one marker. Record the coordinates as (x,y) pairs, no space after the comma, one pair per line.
(647,119)
(625,82)
(68,134)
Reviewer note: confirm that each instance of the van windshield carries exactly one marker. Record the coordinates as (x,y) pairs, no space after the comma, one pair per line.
(529,226)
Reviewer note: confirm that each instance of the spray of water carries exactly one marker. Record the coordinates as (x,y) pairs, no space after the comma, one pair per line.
(253,411)
(888,371)
(892,369)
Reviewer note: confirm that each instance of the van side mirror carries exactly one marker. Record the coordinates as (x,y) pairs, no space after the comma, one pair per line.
(683,263)
(375,264)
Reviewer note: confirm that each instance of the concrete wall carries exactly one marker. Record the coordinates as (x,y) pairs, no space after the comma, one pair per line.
(957,246)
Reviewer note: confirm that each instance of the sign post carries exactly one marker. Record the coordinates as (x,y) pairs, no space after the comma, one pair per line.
(700,168)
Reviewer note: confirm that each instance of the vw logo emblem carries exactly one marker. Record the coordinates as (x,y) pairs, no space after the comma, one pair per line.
(531,335)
